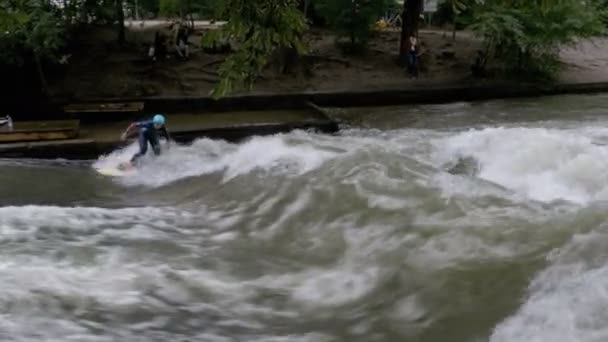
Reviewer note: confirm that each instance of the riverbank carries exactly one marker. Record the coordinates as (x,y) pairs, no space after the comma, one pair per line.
(333,78)
(197,117)
(429,94)
(98,69)
(370,79)
(94,139)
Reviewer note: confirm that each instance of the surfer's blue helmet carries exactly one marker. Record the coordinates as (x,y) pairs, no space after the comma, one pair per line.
(158,120)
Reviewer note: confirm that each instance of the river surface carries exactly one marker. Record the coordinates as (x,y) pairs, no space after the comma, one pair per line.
(460,222)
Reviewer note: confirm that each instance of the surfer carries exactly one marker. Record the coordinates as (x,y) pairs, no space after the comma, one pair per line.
(148,131)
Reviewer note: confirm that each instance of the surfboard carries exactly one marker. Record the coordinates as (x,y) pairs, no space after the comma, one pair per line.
(114,171)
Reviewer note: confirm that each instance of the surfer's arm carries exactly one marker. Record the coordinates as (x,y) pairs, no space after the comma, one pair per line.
(165,133)
(129,131)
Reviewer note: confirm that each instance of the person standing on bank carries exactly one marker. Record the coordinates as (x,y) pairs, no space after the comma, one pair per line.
(181,43)
(412,57)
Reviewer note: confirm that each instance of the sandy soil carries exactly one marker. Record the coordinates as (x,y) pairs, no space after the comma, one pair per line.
(587,61)
(98,68)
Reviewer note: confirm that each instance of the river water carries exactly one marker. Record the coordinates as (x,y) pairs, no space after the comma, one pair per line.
(459,222)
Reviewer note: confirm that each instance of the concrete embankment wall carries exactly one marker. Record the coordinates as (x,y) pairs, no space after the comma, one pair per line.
(422,95)
(249,123)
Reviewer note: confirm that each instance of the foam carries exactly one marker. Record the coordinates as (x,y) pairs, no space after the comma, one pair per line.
(543,164)
(205,156)
(567,301)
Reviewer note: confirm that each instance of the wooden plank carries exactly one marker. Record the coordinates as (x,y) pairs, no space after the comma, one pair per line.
(40,130)
(104,107)
(41,126)
(31,144)
(37,136)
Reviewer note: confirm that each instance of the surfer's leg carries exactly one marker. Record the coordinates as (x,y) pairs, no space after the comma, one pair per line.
(143,147)
(153,137)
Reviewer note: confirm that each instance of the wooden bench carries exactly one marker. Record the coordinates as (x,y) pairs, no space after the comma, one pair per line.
(104,107)
(39,131)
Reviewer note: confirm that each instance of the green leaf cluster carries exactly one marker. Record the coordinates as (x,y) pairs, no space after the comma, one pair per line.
(353,18)
(29,26)
(169,7)
(526,35)
(256,28)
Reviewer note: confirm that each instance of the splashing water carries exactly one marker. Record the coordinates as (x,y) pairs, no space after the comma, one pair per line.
(208,156)
(542,163)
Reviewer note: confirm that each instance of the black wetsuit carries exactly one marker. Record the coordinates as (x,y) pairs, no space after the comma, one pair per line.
(148,133)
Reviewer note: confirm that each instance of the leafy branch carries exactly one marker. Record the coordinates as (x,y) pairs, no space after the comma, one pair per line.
(258,28)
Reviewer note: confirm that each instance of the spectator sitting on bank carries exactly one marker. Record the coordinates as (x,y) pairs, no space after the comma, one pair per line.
(181,43)
(158,49)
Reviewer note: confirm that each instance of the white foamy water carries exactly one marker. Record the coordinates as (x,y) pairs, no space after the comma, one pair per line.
(369,235)
(264,154)
(544,164)
(566,301)
(541,164)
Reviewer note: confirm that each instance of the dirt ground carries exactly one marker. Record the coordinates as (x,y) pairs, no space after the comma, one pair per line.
(99,69)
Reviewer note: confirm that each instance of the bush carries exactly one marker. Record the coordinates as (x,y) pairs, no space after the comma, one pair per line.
(526,37)
(258,29)
(352,18)
(169,8)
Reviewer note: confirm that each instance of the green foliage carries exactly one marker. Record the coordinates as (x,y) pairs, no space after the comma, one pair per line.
(458,6)
(98,11)
(258,28)
(526,35)
(455,11)
(145,8)
(169,8)
(207,9)
(30,26)
(353,18)
(150,6)
(602,6)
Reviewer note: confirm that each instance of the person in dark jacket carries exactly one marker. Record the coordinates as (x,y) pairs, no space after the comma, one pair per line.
(148,132)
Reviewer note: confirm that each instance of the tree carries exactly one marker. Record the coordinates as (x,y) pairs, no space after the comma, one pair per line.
(120,18)
(457,7)
(526,35)
(169,7)
(259,28)
(143,8)
(352,18)
(409,26)
(30,27)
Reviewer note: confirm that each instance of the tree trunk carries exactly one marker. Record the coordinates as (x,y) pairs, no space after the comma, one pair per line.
(287,60)
(409,25)
(189,9)
(454,27)
(82,14)
(120,17)
(354,13)
(42,78)
(67,9)
(183,11)
(306,2)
